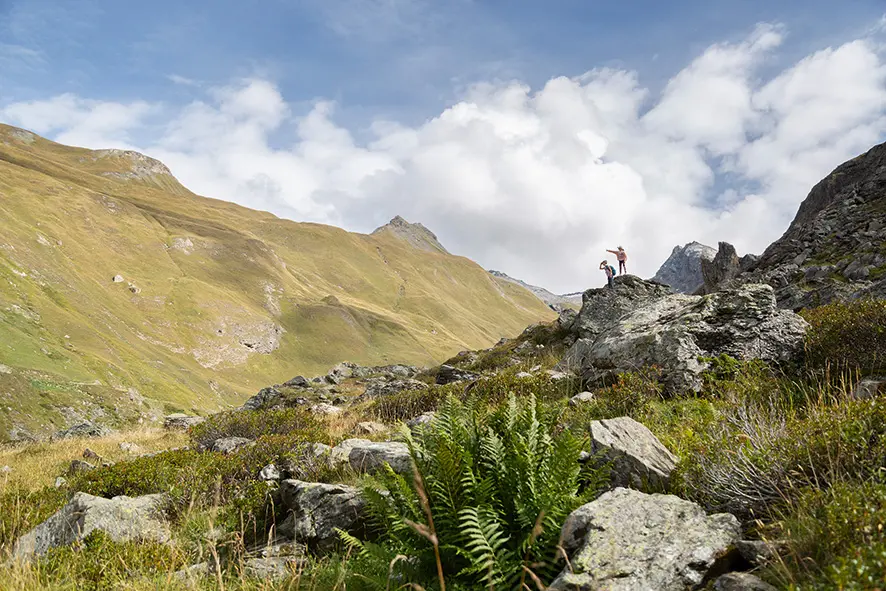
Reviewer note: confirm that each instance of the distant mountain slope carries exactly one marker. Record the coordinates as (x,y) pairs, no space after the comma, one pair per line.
(124,294)
(682,271)
(572,300)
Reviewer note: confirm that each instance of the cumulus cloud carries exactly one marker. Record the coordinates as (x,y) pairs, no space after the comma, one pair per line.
(535,182)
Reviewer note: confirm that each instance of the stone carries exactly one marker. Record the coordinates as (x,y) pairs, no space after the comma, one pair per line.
(129,447)
(340,454)
(318,510)
(448,374)
(523,375)
(298,382)
(89,454)
(79,466)
(371,456)
(266,398)
(422,419)
(870,388)
(269,473)
(759,552)
(386,386)
(325,409)
(676,332)
(273,568)
(636,457)
(682,270)
(741,582)
(369,428)
(228,445)
(117,279)
(122,519)
(60,482)
(181,421)
(85,429)
(581,398)
(627,540)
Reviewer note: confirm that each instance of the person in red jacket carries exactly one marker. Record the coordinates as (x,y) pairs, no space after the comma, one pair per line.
(622,257)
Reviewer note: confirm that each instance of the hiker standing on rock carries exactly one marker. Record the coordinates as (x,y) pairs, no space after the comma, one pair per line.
(622,257)
(610,273)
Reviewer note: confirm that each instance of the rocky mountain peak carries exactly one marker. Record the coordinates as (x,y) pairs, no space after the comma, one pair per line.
(415,234)
(683,269)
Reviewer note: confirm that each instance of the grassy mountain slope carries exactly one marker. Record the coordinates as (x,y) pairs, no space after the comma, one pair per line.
(216,300)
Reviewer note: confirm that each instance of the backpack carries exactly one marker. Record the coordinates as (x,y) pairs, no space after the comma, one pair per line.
(611,270)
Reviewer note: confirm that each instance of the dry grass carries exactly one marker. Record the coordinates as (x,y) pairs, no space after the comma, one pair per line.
(36,465)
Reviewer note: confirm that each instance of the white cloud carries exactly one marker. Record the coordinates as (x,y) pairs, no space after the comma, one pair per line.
(537,183)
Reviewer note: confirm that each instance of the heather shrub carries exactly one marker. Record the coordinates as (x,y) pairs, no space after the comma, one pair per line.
(847,336)
(253,424)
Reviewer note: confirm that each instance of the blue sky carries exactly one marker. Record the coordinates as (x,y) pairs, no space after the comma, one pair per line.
(331,72)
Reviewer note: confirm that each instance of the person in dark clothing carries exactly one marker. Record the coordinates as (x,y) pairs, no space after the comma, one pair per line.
(610,273)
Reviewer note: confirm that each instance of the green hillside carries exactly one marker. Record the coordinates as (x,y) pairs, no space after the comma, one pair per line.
(215,301)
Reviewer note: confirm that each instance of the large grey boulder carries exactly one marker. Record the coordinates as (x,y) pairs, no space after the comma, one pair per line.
(676,332)
(636,457)
(266,398)
(603,306)
(318,510)
(85,429)
(629,541)
(370,457)
(123,519)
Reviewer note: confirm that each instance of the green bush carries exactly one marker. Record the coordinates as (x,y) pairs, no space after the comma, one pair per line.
(847,336)
(498,484)
(632,395)
(253,424)
(99,564)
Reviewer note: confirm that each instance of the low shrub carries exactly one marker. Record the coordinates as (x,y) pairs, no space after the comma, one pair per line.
(632,395)
(253,424)
(847,336)
(495,486)
(21,510)
(834,538)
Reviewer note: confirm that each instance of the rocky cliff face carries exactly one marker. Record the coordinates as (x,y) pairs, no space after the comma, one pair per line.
(683,269)
(836,246)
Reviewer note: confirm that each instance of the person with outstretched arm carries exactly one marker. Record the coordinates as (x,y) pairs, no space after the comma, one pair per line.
(622,257)
(610,273)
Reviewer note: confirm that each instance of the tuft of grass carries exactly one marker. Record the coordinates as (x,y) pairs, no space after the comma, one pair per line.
(847,336)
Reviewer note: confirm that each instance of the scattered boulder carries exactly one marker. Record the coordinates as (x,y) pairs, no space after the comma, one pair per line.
(274,568)
(85,429)
(122,518)
(60,482)
(759,552)
(448,374)
(298,382)
(117,279)
(636,456)
(325,409)
(129,447)
(422,419)
(677,332)
(181,421)
(269,473)
(369,428)
(371,456)
(79,466)
(386,386)
(581,398)
(227,445)
(266,398)
(741,582)
(318,510)
(870,388)
(341,453)
(627,540)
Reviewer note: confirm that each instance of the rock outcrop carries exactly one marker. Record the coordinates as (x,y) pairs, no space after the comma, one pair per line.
(640,324)
(627,540)
(636,457)
(833,249)
(414,234)
(371,456)
(554,301)
(682,271)
(123,519)
(181,421)
(317,510)
(448,374)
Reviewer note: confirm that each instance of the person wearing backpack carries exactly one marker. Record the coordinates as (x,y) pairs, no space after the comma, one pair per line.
(622,257)
(610,273)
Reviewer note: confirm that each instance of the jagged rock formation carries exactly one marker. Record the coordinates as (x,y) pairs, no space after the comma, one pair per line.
(683,269)
(834,249)
(551,299)
(415,234)
(627,540)
(640,324)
